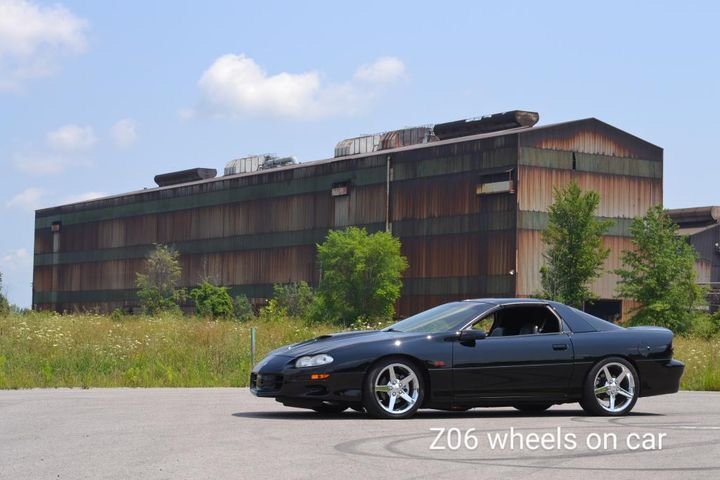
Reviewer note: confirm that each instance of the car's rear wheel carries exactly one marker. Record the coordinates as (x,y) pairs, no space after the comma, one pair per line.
(330,408)
(394,388)
(532,407)
(611,388)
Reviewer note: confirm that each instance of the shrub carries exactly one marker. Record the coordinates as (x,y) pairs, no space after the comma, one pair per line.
(272,311)
(4,305)
(212,301)
(295,298)
(705,326)
(243,310)
(659,273)
(361,276)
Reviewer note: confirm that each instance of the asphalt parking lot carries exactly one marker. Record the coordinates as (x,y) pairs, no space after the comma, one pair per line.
(227,433)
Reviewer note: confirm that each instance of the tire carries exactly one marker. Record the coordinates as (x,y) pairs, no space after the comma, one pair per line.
(614,396)
(532,407)
(330,408)
(394,389)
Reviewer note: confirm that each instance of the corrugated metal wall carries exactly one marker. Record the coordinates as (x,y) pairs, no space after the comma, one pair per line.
(262,229)
(624,170)
(250,231)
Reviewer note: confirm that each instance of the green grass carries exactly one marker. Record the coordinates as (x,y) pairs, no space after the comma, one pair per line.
(702,362)
(49,350)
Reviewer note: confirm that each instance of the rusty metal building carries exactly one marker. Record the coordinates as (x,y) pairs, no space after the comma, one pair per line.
(701,227)
(468,207)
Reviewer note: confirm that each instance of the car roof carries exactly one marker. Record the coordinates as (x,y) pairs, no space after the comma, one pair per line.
(505,301)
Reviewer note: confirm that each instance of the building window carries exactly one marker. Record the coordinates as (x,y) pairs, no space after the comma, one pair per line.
(498,181)
(340,189)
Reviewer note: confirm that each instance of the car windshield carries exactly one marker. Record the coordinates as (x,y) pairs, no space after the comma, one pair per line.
(442,318)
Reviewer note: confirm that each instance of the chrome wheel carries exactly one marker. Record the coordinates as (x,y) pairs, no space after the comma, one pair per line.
(396,389)
(614,387)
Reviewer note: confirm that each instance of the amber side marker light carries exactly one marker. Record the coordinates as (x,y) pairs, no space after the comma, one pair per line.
(319,376)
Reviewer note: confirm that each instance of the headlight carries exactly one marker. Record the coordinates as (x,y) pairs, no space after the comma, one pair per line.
(314,361)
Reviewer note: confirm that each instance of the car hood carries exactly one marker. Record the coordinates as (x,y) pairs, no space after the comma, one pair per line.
(326,343)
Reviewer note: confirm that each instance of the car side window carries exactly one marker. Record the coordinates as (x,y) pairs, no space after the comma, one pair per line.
(485,324)
(519,320)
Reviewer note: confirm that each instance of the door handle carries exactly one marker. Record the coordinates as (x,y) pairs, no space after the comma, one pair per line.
(559,346)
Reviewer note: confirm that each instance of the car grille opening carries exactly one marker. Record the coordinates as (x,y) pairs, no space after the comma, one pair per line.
(266,382)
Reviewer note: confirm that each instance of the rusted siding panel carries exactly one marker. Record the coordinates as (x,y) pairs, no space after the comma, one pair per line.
(620,196)
(590,136)
(530,255)
(445,196)
(466,255)
(266,266)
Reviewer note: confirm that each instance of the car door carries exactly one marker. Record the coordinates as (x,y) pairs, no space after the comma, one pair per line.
(516,365)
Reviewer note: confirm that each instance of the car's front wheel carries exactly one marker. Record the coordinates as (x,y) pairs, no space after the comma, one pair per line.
(394,388)
(611,388)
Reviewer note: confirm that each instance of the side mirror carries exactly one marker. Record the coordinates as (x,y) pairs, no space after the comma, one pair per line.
(472,335)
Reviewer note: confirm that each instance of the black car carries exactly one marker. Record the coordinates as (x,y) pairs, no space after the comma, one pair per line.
(525,353)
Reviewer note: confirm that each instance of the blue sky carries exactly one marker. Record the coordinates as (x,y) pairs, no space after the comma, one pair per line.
(98,97)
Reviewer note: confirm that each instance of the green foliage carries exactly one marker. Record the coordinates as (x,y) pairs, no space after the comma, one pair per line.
(242,308)
(295,299)
(158,287)
(659,273)
(168,350)
(272,311)
(575,252)
(705,326)
(361,276)
(212,301)
(4,305)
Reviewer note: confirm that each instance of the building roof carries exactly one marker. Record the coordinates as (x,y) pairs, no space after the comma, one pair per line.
(689,231)
(695,217)
(533,132)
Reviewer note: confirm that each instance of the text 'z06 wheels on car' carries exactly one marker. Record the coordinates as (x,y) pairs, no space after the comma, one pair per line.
(611,388)
(394,388)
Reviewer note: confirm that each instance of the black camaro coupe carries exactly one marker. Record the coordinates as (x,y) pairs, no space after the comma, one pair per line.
(524,353)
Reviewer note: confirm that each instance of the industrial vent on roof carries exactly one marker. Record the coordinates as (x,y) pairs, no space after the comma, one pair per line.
(440,131)
(253,163)
(185,176)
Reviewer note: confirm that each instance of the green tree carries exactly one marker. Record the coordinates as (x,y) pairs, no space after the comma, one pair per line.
(361,275)
(212,301)
(575,252)
(158,286)
(4,305)
(295,298)
(659,273)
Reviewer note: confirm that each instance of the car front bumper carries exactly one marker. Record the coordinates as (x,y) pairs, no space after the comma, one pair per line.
(277,377)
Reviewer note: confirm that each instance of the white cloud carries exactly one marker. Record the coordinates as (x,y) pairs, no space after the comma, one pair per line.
(383,70)
(82,197)
(235,85)
(14,259)
(33,36)
(72,138)
(29,199)
(47,163)
(186,113)
(124,133)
